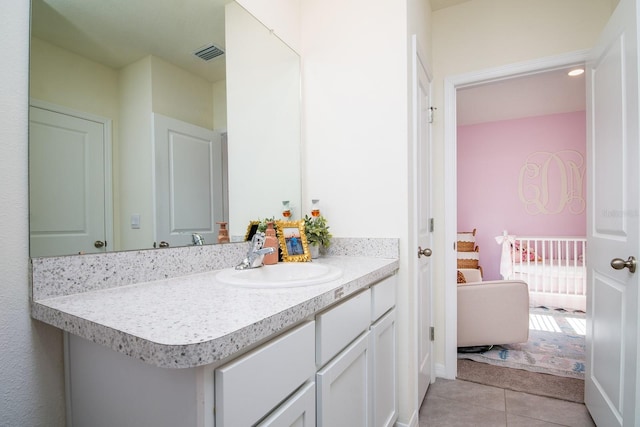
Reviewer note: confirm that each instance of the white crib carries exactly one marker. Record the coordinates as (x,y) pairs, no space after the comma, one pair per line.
(554,268)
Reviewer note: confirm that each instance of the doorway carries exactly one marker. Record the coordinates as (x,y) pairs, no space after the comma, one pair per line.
(452,85)
(70,209)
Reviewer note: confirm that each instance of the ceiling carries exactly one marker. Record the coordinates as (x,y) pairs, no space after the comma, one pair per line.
(538,94)
(116,33)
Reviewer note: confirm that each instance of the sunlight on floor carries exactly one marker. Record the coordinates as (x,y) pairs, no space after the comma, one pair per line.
(578,325)
(541,322)
(546,323)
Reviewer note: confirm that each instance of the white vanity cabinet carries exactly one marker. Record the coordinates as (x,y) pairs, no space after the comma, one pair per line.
(356,353)
(335,368)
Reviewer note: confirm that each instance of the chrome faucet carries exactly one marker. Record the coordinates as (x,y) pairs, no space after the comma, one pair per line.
(198,240)
(256,253)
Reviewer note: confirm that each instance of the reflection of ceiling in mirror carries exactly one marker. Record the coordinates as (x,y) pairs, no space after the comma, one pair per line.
(118,32)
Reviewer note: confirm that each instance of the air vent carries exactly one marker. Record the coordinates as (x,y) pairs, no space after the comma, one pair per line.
(207,53)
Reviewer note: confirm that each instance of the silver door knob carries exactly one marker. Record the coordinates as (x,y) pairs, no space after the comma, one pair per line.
(426,252)
(619,264)
(99,244)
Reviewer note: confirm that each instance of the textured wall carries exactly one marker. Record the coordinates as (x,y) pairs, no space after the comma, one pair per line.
(31,373)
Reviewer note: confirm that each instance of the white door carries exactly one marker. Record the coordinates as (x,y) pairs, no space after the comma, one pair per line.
(189,181)
(422,222)
(66,184)
(612,379)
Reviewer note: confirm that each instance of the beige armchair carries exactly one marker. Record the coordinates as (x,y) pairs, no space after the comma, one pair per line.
(492,312)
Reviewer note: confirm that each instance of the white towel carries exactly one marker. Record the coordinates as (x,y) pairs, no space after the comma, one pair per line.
(506,241)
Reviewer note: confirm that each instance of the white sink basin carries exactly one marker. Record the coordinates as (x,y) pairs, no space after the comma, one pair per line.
(281,275)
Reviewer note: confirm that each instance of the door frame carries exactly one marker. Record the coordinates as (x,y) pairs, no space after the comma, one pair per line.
(108,158)
(451,85)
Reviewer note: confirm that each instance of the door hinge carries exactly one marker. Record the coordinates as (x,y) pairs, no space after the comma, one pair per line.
(432,333)
(431,111)
(431,226)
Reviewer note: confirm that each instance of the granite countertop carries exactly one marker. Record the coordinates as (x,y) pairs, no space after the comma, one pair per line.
(194,320)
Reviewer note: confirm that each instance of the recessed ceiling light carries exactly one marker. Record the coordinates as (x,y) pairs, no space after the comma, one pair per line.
(576,72)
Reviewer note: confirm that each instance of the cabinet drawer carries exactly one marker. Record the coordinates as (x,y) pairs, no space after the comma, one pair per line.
(383,297)
(251,386)
(299,410)
(337,327)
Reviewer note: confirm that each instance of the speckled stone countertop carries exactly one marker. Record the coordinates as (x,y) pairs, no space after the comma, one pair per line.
(194,320)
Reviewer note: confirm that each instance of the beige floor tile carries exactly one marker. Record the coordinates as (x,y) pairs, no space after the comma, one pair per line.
(547,409)
(518,421)
(441,412)
(471,393)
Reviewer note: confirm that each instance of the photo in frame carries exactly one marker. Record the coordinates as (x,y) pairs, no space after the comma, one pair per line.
(251,230)
(293,241)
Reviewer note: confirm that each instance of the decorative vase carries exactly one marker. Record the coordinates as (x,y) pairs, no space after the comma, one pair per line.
(270,241)
(314,250)
(286,210)
(223,233)
(315,208)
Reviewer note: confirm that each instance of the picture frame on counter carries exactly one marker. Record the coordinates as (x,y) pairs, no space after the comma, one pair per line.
(293,241)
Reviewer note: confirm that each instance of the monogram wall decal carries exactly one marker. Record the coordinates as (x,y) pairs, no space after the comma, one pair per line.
(549,183)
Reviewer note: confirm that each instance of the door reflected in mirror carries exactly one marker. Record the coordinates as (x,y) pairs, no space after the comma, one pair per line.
(100,73)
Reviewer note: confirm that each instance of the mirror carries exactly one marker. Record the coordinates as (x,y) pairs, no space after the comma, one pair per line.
(122,65)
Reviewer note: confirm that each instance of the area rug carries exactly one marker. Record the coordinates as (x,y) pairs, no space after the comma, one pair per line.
(556,346)
(571,389)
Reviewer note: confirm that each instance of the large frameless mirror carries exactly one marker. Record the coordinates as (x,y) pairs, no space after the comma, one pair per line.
(150,122)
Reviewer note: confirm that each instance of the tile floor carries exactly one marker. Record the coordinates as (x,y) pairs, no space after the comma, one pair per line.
(461,403)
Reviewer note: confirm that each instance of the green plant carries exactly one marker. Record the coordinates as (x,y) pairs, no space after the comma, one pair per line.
(262,226)
(317,231)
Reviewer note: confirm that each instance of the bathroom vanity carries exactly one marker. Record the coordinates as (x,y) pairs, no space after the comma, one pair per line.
(191,350)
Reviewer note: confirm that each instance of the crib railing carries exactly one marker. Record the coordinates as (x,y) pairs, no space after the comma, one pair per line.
(553,267)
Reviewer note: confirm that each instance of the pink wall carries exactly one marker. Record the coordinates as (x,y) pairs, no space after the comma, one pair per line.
(525,176)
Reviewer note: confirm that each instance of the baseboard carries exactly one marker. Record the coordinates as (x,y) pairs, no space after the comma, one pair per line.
(441,371)
(413,422)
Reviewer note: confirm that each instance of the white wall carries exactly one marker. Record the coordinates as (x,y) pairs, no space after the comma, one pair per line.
(31,373)
(179,94)
(355,109)
(355,134)
(477,35)
(65,78)
(135,194)
(263,121)
(281,16)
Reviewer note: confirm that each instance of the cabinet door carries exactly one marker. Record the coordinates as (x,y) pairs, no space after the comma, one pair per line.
(384,378)
(343,387)
(298,411)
